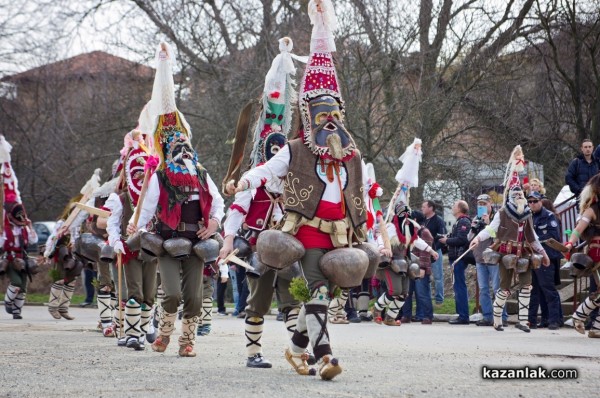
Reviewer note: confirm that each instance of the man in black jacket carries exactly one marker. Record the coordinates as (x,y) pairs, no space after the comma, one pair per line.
(582,168)
(457,244)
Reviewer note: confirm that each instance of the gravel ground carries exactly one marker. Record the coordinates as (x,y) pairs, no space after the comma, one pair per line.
(43,357)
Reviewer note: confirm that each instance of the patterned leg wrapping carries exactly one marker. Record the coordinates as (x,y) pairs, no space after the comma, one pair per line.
(291,320)
(253,332)
(316,322)
(335,306)
(393,310)
(105,308)
(499,302)
(114,305)
(524,298)
(146,327)
(362,304)
(133,314)
(383,302)
(300,337)
(188,336)
(9,298)
(65,300)
(18,303)
(207,306)
(583,312)
(55,293)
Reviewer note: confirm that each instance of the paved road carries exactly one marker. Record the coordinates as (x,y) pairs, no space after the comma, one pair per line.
(42,357)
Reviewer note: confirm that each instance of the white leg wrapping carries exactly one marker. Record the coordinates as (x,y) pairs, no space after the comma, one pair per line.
(18,303)
(394,308)
(207,307)
(499,302)
(145,315)
(115,306)
(65,298)
(188,331)
(133,312)
(253,332)
(291,320)
(166,323)
(383,302)
(11,294)
(585,308)
(105,308)
(55,294)
(524,298)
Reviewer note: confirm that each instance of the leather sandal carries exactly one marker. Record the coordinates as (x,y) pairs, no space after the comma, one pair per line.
(161,343)
(187,351)
(299,364)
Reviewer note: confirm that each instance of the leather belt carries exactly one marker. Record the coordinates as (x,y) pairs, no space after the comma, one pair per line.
(183,227)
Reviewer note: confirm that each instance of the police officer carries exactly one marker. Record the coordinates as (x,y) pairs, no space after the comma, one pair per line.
(457,243)
(544,293)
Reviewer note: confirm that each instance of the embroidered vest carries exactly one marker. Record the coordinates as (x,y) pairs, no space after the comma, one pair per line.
(508,230)
(303,189)
(261,209)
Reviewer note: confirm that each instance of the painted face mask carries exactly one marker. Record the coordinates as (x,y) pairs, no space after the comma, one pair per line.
(16,213)
(134,173)
(329,135)
(181,160)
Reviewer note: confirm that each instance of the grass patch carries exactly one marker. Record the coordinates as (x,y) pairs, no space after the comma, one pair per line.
(449,307)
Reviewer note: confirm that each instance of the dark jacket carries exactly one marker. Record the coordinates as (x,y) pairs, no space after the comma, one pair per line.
(436,226)
(547,226)
(579,173)
(457,240)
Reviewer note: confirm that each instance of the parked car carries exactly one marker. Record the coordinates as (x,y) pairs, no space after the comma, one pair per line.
(43,229)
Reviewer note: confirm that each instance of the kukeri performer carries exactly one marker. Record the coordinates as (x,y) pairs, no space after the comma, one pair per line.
(403,234)
(65,267)
(587,263)
(516,245)
(187,206)
(323,199)
(140,272)
(260,208)
(17,233)
(95,225)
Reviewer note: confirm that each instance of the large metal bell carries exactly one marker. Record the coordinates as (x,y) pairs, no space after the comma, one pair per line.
(152,244)
(207,250)
(491,256)
(291,272)
(134,242)
(90,247)
(536,261)
(278,249)
(581,261)
(345,267)
(399,266)
(178,247)
(509,261)
(259,267)
(414,271)
(107,254)
(374,257)
(522,265)
(243,246)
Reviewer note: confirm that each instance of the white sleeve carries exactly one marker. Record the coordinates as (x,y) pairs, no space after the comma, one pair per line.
(237,212)
(75,227)
(391,230)
(51,241)
(2,238)
(420,244)
(490,230)
(150,203)
(217,209)
(32,237)
(113,224)
(275,168)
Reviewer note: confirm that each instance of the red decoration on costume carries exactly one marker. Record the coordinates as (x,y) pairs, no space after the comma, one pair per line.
(182,180)
(401,236)
(373,190)
(275,94)
(151,163)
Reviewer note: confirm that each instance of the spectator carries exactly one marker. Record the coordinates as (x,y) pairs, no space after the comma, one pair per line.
(582,168)
(457,244)
(487,274)
(421,286)
(89,275)
(535,185)
(544,292)
(435,225)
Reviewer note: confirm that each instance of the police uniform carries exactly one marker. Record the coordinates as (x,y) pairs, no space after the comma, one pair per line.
(544,293)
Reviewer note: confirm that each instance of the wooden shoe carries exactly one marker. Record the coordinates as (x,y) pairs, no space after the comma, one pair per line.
(329,367)
(298,362)
(186,350)
(161,343)
(594,334)
(67,316)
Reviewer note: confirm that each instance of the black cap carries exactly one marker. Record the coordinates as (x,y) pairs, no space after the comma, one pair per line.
(535,195)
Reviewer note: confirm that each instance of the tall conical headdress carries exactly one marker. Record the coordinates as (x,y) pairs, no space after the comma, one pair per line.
(279,95)
(320,77)
(516,165)
(9,178)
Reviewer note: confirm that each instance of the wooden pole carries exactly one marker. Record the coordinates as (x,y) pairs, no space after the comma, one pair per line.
(120,293)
